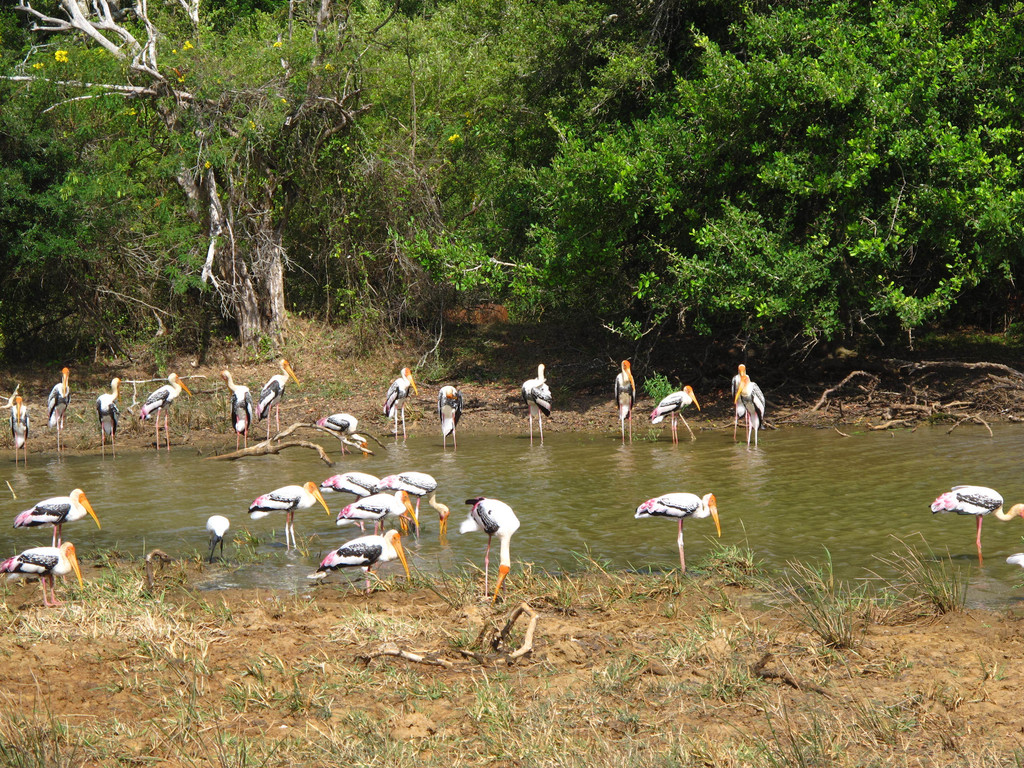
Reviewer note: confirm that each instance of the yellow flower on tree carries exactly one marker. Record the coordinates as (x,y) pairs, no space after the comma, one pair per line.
(61,56)
(38,65)
(278,44)
(454,137)
(187,46)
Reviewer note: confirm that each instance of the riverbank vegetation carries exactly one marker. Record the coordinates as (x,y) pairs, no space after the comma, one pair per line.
(727,667)
(777,174)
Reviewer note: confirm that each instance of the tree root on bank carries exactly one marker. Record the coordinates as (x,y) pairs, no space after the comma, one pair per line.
(827,392)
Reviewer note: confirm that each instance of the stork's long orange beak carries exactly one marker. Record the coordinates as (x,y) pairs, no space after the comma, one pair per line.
(502,573)
(713,507)
(410,508)
(184,385)
(288,369)
(401,555)
(73,559)
(690,392)
(311,487)
(89,509)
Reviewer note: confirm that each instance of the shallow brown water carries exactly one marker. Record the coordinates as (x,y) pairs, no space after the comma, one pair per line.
(801,492)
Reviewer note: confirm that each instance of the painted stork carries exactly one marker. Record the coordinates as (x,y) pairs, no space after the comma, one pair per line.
(377,508)
(975,500)
(625,393)
(418,484)
(495,518)
(357,483)
(56,511)
(449,410)
(681,506)
(287,500)
(673,405)
(106,409)
(364,552)
(270,395)
(217,526)
(739,411)
(343,426)
(396,396)
(1017,559)
(537,397)
(243,412)
(45,562)
(749,395)
(160,400)
(19,428)
(57,403)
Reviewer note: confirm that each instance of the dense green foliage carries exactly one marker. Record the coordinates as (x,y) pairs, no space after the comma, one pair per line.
(788,171)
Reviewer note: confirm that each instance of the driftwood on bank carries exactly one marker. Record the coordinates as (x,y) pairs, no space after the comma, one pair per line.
(840,385)
(277,444)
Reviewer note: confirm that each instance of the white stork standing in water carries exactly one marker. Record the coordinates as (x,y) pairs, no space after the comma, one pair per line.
(625,393)
(364,552)
(160,400)
(106,409)
(418,484)
(740,411)
(377,508)
(287,500)
(537,396)
(56,511)
(495,518)
(57,403)
(357,483)
(680,506)
(270,395)
(343,426)
(975,500)
(673,405)
(752,399)
(45,562)
(449,410)
(217,526)
(394,401)
(243,412)
(19,428)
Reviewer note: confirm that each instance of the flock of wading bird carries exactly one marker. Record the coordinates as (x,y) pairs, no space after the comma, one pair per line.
(381,499)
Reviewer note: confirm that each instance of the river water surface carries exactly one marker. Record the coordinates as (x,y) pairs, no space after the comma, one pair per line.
(801,492)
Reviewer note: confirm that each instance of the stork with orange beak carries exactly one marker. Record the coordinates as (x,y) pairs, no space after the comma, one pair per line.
(287,500)
(57,403)
(749,395)
(681,506)
(160,400)
(364,552)
(19,428)
(45,562)
(243,412)
(56,511)
(377,508)
(106,409)
(395,399)
(625,392)
(270,395)
(674,404)
(495,518)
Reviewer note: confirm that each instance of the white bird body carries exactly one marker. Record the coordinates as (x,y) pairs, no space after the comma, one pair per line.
(749,395)
(56,511)
(1017,559)
(449,411)
(287,499)
(364,552)
(270,395)
(343,426)
(160,400)
(418,484)
(217,526)
(45,562)
(357,483)
(57,403)
(243,412)
(537,396)
(680,506)
(377,508)
(394,401)
(625,394)
(106,409)
(739,411)
(976,500)
(19,427)
(495,518)
(672,405)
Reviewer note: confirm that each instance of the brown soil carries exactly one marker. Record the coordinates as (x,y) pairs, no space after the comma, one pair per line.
(693,672)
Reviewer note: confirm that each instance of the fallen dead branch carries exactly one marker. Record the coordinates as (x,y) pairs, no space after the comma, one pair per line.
(393,650)
(890,424)
(156,557)
(840,385)
(759,670)
(976,419)
(276,444)
(911,366)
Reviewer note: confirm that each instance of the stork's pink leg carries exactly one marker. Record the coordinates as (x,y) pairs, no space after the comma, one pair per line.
(487,560)
(682,557)
(978,540)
